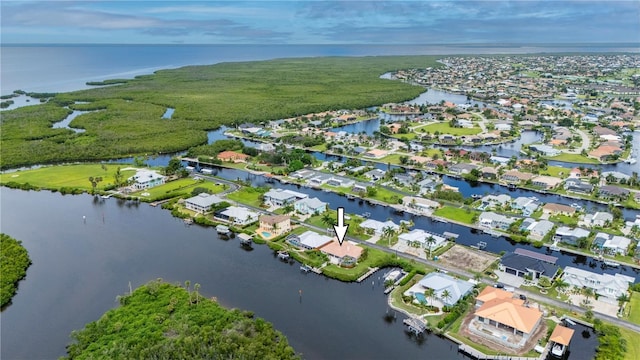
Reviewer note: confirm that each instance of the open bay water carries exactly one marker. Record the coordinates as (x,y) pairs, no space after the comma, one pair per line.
(59,68)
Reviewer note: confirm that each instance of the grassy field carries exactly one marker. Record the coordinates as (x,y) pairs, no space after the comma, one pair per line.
(374,257)
(75,176)
(567,220)
(456,214)
(177,188)
(247,195)
(557,171)
(129,120)
(633,308)
(444,128)
(633,344)
(574,158)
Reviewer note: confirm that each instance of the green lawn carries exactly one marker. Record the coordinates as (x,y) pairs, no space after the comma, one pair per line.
(393,158)
(374,258)
(177,188)
(575,158)
(567,220)
(633,344)
(247,195)
(557,171)
(633,308)
(457,214)
(75,176)
(444,128)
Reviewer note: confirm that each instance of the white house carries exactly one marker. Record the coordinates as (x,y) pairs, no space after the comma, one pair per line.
(309,240)
(495,221)
(423,238)
(605,285)
(310,206)
(202,202)
(378,226)
(439,282)
(279,197)
(238,215)
(144,179)
(600,218)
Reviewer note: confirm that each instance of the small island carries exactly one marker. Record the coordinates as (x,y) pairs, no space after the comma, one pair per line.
(164,321)
(14,261)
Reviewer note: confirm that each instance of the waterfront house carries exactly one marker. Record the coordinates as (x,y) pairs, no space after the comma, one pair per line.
(537,229)
(274,225)
(461,168)
(545,182)
(340,181)
(377,227)
(319,179)
(420,203)
(280,197)
(608,287)
(569,235)
(232,156)
(494,201)
(422,238)
(429,184)
(375,153)
(516,176)
(309,240)
(558,209)
(302,174)
(491,293)
(375,174)
(440,282)
(545,150)
(338,254)
(500,160)
(237,215)
(581,173)
(506,321)
(532,264)
(492,220)
(600,218)
(202,202)
(145,179)
(613,192)
(310,206)
(489,173)
(578,186)
(611,244)
(525,204)
(615,176)
(265,147)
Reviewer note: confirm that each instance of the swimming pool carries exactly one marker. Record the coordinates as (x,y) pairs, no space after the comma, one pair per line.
(420,297)
(266,234)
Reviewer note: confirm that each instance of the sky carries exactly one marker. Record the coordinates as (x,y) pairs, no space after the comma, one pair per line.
(319,22)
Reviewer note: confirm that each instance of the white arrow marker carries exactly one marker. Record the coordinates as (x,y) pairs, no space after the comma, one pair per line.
(341,229)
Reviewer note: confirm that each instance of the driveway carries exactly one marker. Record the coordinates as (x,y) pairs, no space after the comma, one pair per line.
(509,280)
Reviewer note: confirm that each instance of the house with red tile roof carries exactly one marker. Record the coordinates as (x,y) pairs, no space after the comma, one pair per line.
(232,156)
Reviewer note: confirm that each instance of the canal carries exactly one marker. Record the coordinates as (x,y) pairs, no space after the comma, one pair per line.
(79,267)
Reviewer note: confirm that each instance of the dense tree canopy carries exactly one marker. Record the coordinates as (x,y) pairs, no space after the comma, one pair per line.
(126,118)
(14,261)
(164,321)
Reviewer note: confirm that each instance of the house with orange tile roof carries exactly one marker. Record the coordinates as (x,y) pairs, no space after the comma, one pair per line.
(560,339)
(339,253)
(506,321)
(604,152)
(490,293)
(274,225)
(558,209)
(375,153)
(232,156)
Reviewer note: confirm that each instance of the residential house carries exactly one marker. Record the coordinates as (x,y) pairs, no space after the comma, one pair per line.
(403,179)
(429,184)
(546,182)
(237,215)
(302,174)
(420,203)
(613,192)
(608,286)
(491,293)
(319,179)
(274,225)
(530,264)
(232,156)
(202,202)
(525,204)
(569,235)
(615,176)
(612,244)
(492,220)
(376,153)
(558,209)
(494,201)
(309,240)
(585,172)
(537,229)
(516,176)
(501,160)
(422,238)
(461,168)
(377,227)
(489,173)
(340,181)
(440,283)
(375,174)
(340,253)
(265,147)
(503,318)
(578,186)
(310,206)
(545,150)
(280,197)
(600,218)
(144,179)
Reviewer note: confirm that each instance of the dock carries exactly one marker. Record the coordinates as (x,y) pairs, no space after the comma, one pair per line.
(415,325)
(221,229)
(245,239)
(367,274)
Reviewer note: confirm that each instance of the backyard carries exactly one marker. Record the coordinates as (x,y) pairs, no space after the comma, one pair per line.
(177,188)
(457,214)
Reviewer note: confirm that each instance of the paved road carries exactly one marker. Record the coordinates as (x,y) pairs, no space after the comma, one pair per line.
(586,143)
(619,322)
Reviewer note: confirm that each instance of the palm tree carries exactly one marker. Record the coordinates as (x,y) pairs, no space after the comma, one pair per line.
(429,242)
(388,233)
(288,208)
(428,293)
(445,296)
(196,287)
(623,298)
(327,219)
(561,284)
(187,285)
(587,292)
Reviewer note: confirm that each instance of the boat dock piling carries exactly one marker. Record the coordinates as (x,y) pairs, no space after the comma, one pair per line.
(367,274)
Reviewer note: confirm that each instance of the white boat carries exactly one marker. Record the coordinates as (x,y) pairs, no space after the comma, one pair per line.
(630,161)
(558,350)
(283,255)
(611,263)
